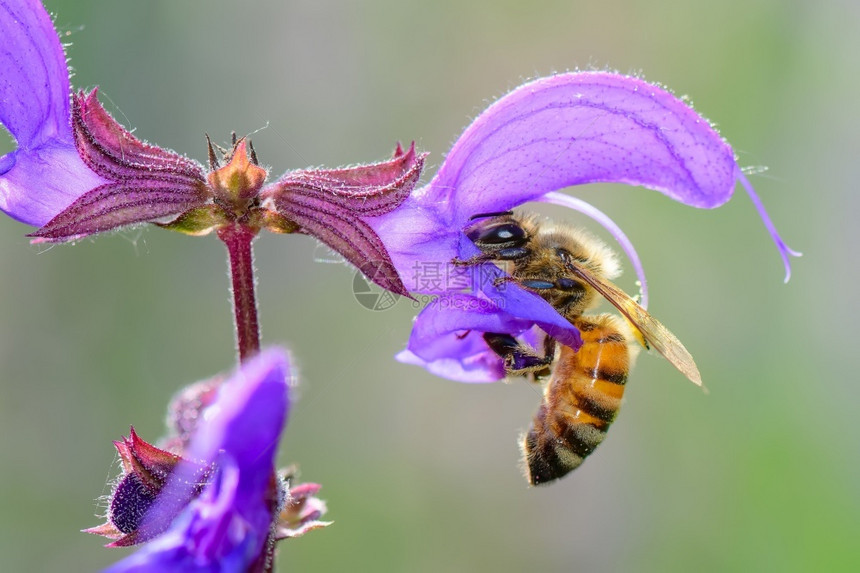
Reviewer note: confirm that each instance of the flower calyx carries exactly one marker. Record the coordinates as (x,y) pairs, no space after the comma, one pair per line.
(143,183)
(237,184)
(146,470)
(301,510)
(337,205)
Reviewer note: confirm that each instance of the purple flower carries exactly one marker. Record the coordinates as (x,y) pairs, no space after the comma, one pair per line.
(78,172)
(220,506)
(546,135)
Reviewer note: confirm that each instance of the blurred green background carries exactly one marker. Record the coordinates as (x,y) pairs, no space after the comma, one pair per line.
(421,473)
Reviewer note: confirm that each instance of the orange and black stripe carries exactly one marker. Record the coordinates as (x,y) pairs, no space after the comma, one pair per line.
(580,401)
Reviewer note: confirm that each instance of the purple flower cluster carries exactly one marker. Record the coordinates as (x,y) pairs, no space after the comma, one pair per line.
(220,505)
(555,132)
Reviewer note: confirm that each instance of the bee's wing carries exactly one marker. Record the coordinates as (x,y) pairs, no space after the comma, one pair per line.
(652,330)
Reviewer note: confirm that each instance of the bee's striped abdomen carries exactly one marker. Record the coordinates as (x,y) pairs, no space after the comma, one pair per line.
(580,401)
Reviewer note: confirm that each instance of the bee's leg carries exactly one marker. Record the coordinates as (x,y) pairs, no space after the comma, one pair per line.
(549,346)
(477,259)
(520,359)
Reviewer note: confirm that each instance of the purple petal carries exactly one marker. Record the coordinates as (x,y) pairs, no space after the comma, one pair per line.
(515,301)
(580,128)
(556,132)
(416,234)
(247,417)
(34,80)
(226,527)
(447,336)
(44,181)
(45,174)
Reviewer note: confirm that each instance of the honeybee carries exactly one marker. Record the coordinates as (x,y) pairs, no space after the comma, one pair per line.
(569,269)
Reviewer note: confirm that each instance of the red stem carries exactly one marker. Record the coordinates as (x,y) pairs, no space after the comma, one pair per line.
(238,240)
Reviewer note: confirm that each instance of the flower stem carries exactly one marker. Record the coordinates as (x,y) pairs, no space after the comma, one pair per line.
(238,240)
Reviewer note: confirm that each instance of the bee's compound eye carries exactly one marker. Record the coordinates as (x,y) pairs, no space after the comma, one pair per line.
(496,234)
